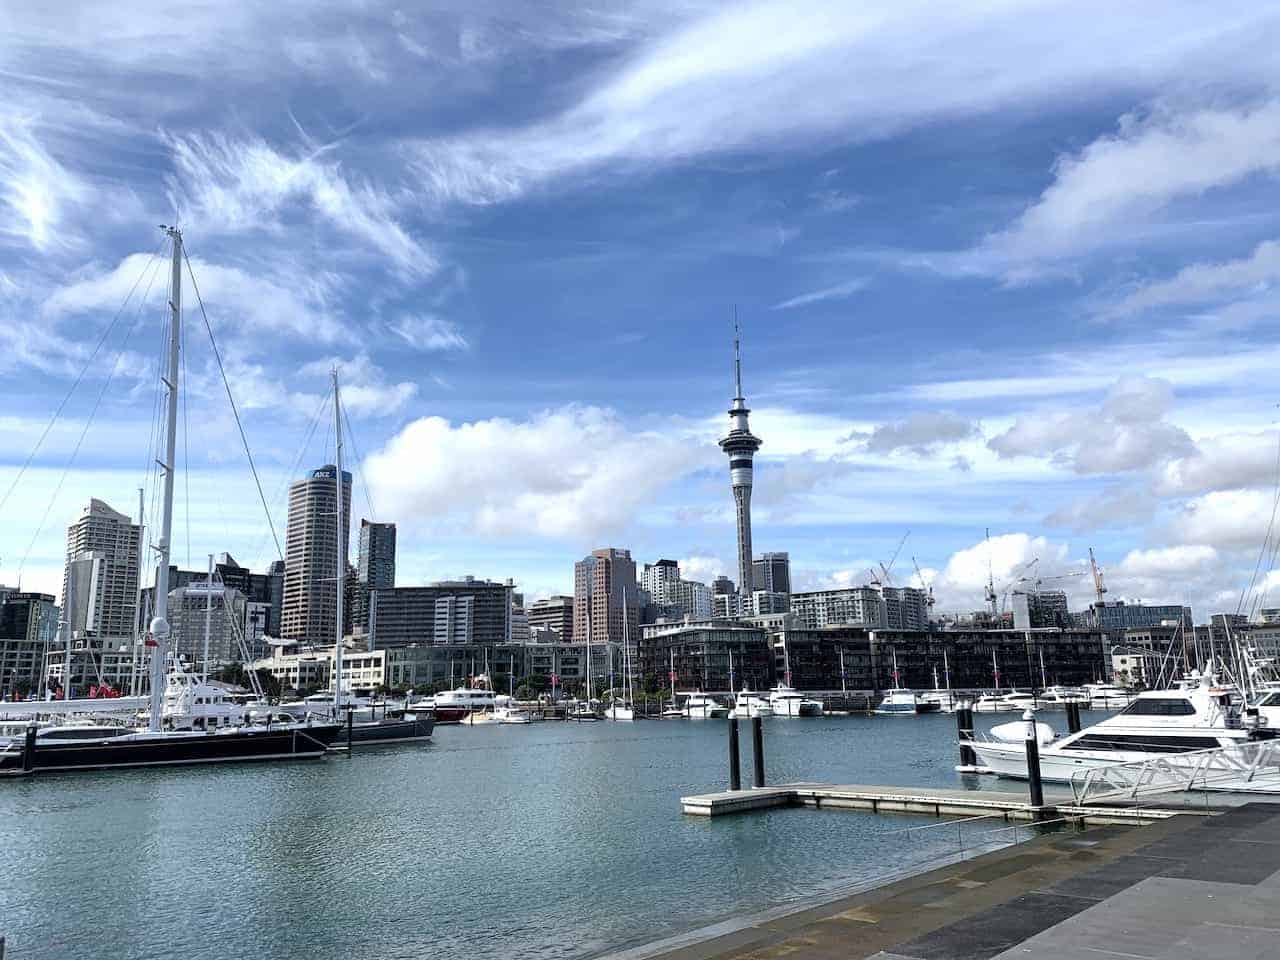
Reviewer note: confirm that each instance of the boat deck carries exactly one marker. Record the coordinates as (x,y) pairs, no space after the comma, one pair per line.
(1181,888)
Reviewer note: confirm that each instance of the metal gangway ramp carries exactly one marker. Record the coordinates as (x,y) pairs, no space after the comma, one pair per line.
(1251,767)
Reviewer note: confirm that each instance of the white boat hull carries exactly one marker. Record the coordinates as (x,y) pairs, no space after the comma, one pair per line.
(620,713)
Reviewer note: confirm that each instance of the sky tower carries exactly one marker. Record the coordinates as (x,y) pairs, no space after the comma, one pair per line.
(740,447)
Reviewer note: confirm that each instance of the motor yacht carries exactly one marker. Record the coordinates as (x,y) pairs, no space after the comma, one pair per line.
(452,706)
(901,702)
(747,705)
(789,702)
(699,706)
(995,703)
(1107,696)
(510,713)
(1057,697)
(1155,723)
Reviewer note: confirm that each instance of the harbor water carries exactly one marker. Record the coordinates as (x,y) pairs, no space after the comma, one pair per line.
(551,841)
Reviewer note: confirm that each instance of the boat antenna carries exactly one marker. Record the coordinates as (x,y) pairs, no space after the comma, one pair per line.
(159,640)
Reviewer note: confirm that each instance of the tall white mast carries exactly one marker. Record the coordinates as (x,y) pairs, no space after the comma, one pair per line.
(340,557)
(137,617)
(160,623)
(208,618)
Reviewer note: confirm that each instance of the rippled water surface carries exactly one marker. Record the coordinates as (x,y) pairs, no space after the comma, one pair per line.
(551,841)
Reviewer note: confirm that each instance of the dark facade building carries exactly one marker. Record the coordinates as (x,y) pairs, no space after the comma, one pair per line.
(467,611)
(701,651)
(974,658)
(771,572)
(375,568)
(28,629)
(1118,616)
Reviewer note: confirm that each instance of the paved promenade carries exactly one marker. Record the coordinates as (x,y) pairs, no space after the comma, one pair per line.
(1183,888)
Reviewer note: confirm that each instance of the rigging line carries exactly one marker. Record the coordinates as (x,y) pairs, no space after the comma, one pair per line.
(368,494)
(1275,503)
(283,490)
(75,452)
(79,378)
(235,412)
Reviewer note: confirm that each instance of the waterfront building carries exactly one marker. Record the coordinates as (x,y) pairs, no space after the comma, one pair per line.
(100,580)
(520,631)
(310,599)
(375,568)
(890,608)
(771,572)
(605,589)
(423,665)
(466,611)
(1269,616)
(813,658)
(701,650)
(740,447)
(226,617)
(28,630)
(1118,616)
(553,613)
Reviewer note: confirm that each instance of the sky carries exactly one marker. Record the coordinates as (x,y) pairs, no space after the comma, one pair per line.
(1007,265)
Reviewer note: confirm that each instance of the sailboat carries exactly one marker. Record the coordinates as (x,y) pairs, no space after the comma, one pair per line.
(899,700)
(584,711)
(673,712)
(624,709)
(91,747)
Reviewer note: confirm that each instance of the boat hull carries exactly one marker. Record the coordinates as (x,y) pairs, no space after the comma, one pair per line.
(1010,760)
(387,731)
(132,752)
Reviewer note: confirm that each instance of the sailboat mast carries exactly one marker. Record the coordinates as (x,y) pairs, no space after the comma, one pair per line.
(340,552)
(160,622)
(208,619)
(137,619)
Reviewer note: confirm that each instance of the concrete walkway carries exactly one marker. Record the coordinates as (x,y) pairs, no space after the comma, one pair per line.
(1179,888)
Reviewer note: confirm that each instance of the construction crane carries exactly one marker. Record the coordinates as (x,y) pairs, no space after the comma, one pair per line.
(887,571)
(926,586)
(991,580)
(1061,576)
(1099,589)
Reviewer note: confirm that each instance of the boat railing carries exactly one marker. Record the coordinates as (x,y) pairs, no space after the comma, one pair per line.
(1253,766)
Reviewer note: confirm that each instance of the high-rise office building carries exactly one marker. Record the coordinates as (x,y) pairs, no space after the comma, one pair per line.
(311,578)
(655,576)
(605,596)
(771,572)
(741,446)
(224,607)
(375,567)
(554,613)
(100,580)
(449,612)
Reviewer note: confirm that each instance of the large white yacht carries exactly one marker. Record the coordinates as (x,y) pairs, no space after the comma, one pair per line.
(699,706)
(747,705)
(789,702)
(1154,723)
(1107,696)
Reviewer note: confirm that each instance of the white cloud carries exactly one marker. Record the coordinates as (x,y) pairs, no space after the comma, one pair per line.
(1168,561)
(245,185)
(259,301)
(962,582)
(1128,432)
(36,188)
(1225,518)
(1226,461)
(1204,282)
(921,433)
(704,568)
(838,292)
(765,74)
(364,388)
(575,472)
(1116,180)
(429,333)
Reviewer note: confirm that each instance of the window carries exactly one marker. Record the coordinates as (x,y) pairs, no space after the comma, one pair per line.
(1160,707)
(1141,743)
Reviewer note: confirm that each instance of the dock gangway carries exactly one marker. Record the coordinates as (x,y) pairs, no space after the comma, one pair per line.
(1252,767)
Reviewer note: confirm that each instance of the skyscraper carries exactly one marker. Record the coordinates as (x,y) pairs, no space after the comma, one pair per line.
(740,446)
(772,572)
(375,567)
(604,594)
(311,582)
(100,580)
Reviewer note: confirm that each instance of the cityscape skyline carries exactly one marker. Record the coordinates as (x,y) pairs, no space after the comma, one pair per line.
(966,304)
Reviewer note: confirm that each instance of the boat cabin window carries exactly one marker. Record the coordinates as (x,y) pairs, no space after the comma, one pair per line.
(1160,707)
(1270,700)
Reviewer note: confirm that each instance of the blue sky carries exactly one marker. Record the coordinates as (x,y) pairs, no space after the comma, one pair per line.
(1009,266)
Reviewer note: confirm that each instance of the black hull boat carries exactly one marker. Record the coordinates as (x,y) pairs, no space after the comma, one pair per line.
(131,749)
(387,730)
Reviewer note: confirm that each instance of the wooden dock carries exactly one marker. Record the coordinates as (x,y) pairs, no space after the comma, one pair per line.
(929,801)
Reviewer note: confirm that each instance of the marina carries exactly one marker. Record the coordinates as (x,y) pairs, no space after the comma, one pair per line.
(507,836)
